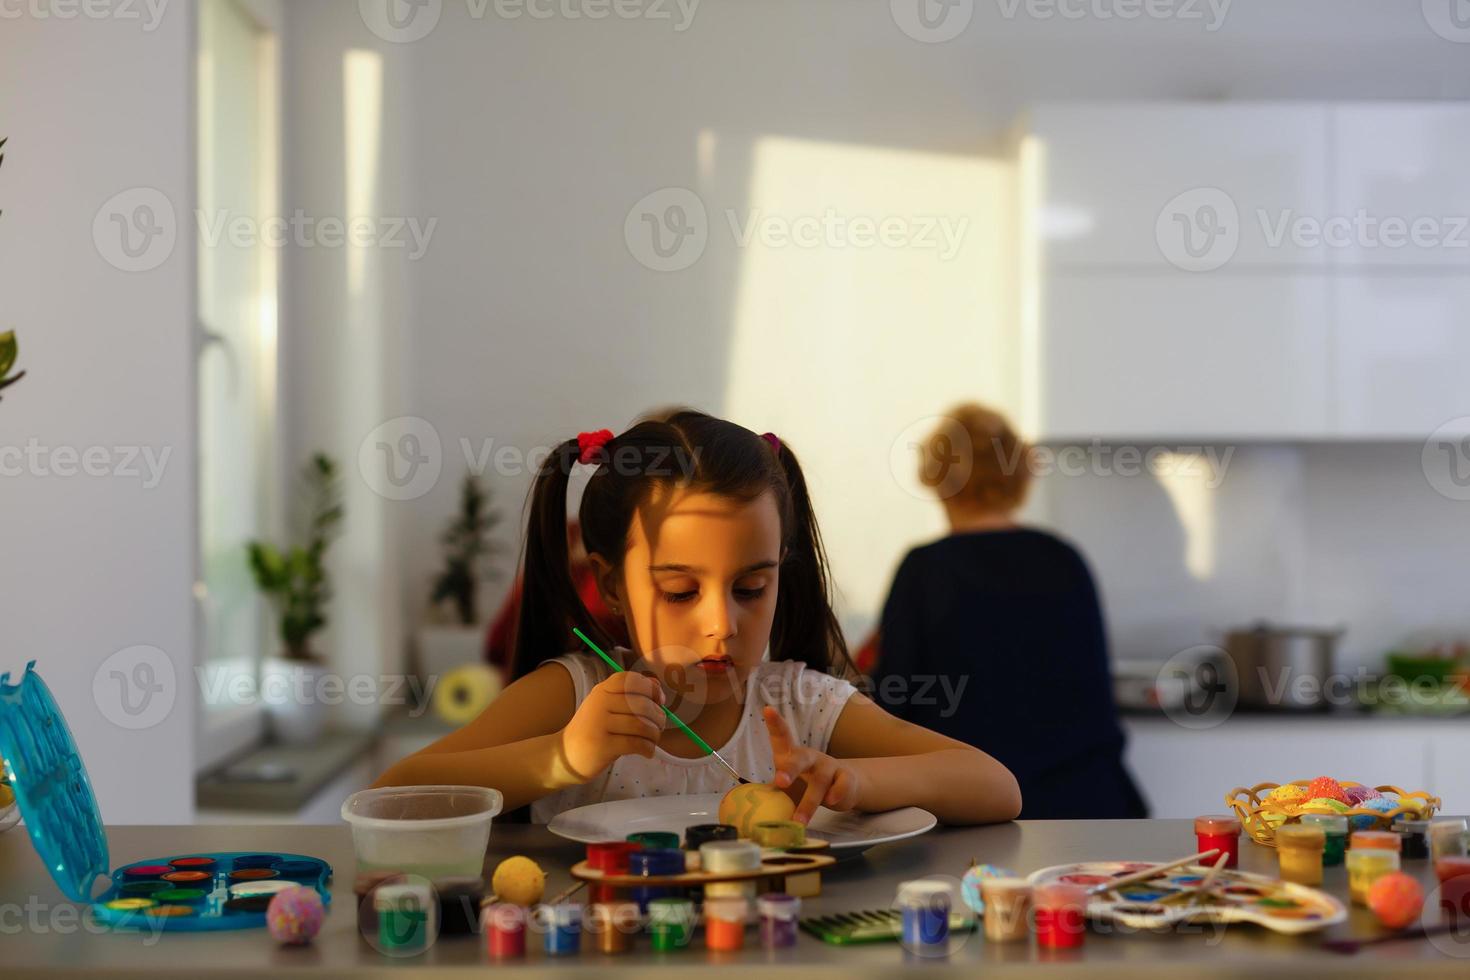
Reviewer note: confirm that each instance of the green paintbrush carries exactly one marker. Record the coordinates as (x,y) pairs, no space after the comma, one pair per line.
(672,717)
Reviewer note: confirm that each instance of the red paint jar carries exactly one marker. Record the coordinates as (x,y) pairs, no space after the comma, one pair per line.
(609,857)
(1060,915)
(1219,832)
(505,931)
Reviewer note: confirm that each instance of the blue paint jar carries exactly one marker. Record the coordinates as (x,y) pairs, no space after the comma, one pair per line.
(650,863)
(563,929)
(925,904)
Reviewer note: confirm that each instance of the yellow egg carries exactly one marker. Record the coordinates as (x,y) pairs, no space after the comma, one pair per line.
(519,881)
(1290,793)
(752,803)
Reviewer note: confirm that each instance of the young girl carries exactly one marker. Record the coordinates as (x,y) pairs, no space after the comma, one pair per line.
(704,542)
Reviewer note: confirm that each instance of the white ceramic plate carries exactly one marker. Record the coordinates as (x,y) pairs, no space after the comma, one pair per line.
(849,833)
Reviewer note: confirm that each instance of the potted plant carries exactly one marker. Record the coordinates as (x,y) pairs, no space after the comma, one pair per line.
(295,582)
(458,635)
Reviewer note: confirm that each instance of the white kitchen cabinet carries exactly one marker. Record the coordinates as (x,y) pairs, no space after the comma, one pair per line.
(1182,355)
(1401,355)
(1184,773)
(1106,172)
(1401,184)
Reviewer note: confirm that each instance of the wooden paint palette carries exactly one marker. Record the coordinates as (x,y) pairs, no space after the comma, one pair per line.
(1174,896)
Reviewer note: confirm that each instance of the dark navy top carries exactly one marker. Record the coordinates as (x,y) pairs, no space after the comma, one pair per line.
(1014,616)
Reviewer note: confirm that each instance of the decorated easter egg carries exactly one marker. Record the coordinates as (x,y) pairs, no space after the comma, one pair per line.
(1414,803)
(518,881)
(294,916)
(970,884)
(1325,787)
(1396,899)
(751,803)
(1357,794)
(1362,821)
(1324,805)
(1290,793)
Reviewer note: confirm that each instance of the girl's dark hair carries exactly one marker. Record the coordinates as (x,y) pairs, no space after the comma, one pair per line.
(677,448)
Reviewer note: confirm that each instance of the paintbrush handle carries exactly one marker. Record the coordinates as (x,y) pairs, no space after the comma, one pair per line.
(1133,879)
(671,716)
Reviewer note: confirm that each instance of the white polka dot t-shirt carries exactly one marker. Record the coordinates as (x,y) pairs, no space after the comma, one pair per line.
(809,700)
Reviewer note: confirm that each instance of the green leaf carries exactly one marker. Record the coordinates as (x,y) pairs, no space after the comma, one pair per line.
(9,350)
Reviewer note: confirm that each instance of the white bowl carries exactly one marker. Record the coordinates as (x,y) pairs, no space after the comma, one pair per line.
(433,831)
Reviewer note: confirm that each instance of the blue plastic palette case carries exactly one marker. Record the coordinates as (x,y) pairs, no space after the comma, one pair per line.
(186,892)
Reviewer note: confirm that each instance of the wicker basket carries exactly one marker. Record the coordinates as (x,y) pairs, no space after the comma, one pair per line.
(1260,818)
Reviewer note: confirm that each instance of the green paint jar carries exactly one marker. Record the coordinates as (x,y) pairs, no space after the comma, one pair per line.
(655,840)
(670,923)
(1335,827)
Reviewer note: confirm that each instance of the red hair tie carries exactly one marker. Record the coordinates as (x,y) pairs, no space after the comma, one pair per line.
(590,442)
(770,437)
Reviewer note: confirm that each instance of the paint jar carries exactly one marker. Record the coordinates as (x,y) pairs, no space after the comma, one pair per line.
(1365,866)
(1300,847)
(611,925)
(1446,839)
(1334,827)
(650,864)
(671,923)
(778,913)
(459,904)
(729,856)
(609,857)
(925,904)
(779,834)
(1415,837)
(1007,906)
(1454,887)
(655,840)
(700,834)
(563,935)
(1060,915)
(1219,831)
(724,922)
(1376,840)
(406,916)
(504,925)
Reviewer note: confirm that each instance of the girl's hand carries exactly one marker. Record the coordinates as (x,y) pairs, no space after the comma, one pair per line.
(620,716)
(810,777)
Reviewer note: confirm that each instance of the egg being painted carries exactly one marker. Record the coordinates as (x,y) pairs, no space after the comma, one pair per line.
(751,803)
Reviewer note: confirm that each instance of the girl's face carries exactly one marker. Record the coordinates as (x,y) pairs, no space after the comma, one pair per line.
(697,589)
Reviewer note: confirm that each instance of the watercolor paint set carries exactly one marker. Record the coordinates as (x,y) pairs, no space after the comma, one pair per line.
(188,893)
(1189,894)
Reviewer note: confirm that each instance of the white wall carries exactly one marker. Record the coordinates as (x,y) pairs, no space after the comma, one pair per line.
(94,565)
(534,138)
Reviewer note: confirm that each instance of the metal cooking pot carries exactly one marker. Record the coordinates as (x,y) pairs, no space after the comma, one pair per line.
(1283,668)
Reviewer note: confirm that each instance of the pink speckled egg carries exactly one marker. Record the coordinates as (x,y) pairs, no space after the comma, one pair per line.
(294,916)
(1358,795)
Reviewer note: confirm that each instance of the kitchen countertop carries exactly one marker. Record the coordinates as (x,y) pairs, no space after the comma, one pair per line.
(43,933)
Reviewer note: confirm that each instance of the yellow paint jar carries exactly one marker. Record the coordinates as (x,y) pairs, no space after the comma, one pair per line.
(1367,865)
(1300,848)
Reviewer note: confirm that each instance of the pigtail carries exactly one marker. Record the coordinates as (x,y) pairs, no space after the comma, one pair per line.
(550,604)
(805,627)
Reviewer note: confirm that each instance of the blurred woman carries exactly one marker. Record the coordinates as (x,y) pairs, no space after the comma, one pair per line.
(1011,613)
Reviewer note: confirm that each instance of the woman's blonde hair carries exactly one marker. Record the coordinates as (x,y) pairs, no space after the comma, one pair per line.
(975,455)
